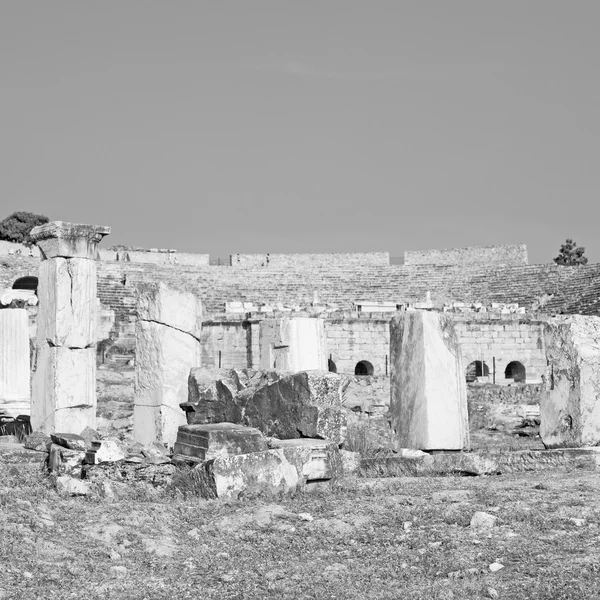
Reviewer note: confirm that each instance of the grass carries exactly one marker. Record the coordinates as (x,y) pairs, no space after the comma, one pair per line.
(396,538)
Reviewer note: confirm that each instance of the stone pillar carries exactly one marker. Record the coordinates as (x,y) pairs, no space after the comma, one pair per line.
(167,347)
(428,399)
(570,402)
(14,362)
(293,344)
(64,381)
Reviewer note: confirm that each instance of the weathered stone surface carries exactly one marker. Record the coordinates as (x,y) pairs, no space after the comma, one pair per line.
(14,362)
(482,521)
(293,344)
(64,390)
(570,405)
(313,459)
(218,440)
(159,303)
(68,303)
(68,486)
(68,240)
(37,441)
(428,390)
(72,441)
(105,451)
(259,472)
(285,406)
(164,356)
(63,460)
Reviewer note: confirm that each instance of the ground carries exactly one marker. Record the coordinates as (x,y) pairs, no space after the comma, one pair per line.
(364,538)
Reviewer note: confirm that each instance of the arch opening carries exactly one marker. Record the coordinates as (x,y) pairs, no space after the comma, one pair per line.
(331,366)
(477,369)
(364,367)
(515,371)
(26,283)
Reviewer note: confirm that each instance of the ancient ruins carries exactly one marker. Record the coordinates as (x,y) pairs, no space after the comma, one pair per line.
(265,372)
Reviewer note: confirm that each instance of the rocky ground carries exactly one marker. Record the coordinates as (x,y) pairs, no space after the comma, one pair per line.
(539,537)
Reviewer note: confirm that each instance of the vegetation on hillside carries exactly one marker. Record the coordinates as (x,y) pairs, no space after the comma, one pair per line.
(17,227)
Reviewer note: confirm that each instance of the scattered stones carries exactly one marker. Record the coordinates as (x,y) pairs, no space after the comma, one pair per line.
(105,451)
(577,522)
(72,441)
(37,441)
(495,567)
(492,593)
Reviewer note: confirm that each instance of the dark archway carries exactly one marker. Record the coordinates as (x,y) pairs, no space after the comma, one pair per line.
(26,283)
(477,369)
(331,366)
(364,367)
(515,371)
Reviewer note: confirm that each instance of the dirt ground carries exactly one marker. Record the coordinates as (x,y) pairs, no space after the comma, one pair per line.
(402,538)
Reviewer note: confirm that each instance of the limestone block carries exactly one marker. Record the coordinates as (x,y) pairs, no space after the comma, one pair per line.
(64,390)
(14,362)
(428,400)
(68,240)
(68,304)
(314,459)
(105,451)
(570,403)
(293,344)
(260,472)
(159,303)
(278,405)
(219,440)
(164,357)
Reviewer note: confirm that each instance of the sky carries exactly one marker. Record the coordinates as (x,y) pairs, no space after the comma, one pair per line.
(305,126)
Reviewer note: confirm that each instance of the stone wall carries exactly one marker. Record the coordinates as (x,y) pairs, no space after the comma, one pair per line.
(308,261)
(478,255)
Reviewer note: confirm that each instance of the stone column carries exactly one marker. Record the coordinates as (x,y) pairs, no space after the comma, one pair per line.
(64,382)
(570,402)
(14,362)
(167,347)
(428,399)
(293,344)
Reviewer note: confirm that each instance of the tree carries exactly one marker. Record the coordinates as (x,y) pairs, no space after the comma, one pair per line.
(570,254)
(18,226)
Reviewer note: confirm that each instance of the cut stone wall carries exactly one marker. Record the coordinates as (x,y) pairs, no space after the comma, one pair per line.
(476,255)
(306,261)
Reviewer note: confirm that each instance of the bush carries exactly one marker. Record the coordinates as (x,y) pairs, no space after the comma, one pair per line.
(17,227)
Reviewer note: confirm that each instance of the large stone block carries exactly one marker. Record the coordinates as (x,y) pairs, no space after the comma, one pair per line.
(164,357)
(218,440)
(14,362)
(428,400)
(285,406)
(178,309)
(259,472)
(314,459)
(570,403)
(293,344)
(68,303)
(64,390)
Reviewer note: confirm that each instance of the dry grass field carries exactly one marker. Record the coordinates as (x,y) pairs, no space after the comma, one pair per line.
(404,538)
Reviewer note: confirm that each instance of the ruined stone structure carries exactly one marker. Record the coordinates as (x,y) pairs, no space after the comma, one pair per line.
(64,381)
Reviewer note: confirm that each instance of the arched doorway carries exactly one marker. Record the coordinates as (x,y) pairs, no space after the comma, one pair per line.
(515,371)
(26,283)
(331,366)
(477,369)
(364,367)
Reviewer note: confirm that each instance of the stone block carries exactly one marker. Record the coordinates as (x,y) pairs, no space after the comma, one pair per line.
(68,240)
(314,459)
(164,357)
(64,390)
(105,451)
(72,441)
(14,362)
(157,302)
(293,344)
(67,293)
(218,440)
(260,472)
(570,405)
(428,400)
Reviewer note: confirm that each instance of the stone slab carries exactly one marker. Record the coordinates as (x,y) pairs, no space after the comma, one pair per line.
(218,440)
(266,472)
(64,390)
(570,403)
(428,400)
(68,240)
(314,459)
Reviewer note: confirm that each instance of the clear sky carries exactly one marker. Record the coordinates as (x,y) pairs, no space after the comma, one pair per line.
(305,126)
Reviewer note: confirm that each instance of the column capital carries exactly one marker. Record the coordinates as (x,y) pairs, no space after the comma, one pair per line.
(68,240)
